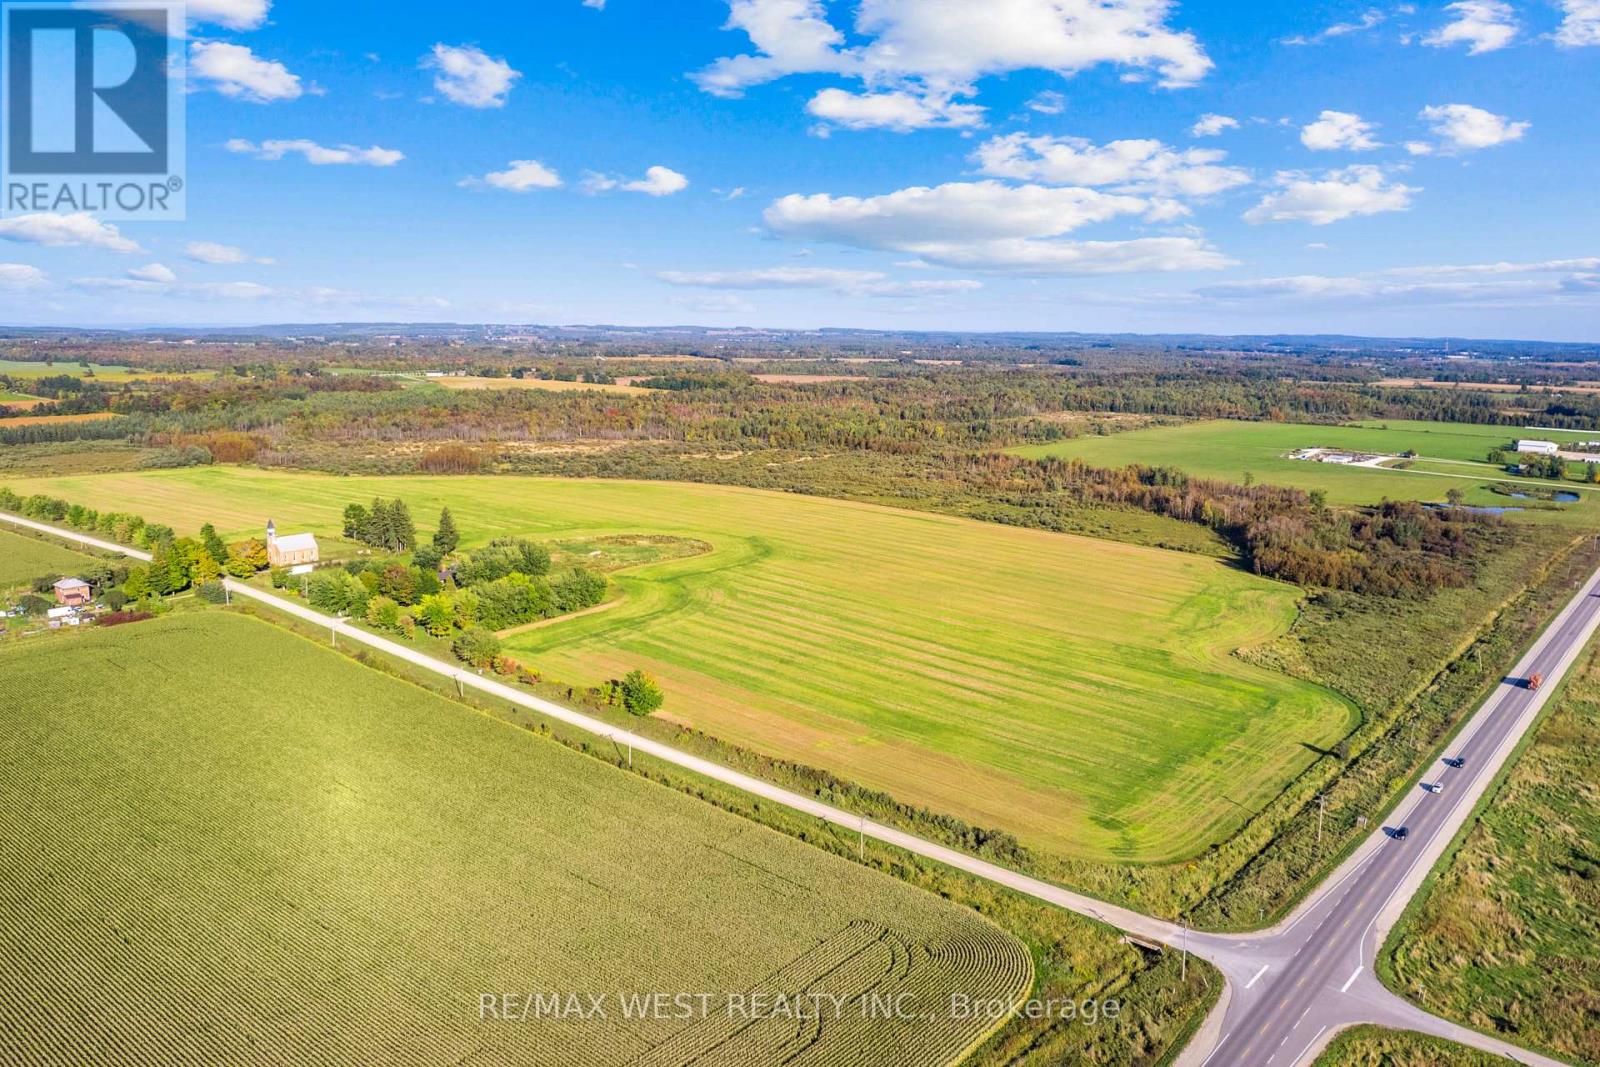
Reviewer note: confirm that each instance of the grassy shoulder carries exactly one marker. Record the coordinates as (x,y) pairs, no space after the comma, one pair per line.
(1507,937)
(1374,1046)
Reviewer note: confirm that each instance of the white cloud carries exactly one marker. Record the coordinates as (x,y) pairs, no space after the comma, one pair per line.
(212,252)
(318,155)
(233,70)
(848,282)
(1143,166)
(17,277)
(1320,290)
(1370,19)
(234,14)
(989,226)
(1339,194)
(1211,125)
(941,48)
(521,176)
(1048,102)
(1482,25)
(1580,24)
(896,110)
(598,5)
(468,76)
(657,181)
(1419,148)
(1547,266)
(153,272)
(1338,129)
(1465,126)
(79,228)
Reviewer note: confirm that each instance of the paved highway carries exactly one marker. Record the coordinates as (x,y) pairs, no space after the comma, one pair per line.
(1291,987)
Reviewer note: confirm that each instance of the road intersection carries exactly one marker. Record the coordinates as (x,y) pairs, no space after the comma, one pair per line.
(1290,988)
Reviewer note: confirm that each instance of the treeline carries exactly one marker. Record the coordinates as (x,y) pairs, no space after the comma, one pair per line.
(1395,549)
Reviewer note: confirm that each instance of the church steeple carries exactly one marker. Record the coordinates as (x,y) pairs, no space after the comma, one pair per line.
(272,533)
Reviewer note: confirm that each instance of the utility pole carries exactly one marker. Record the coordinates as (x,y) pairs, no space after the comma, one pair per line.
(1183,970)
(1322,808)
(861,841)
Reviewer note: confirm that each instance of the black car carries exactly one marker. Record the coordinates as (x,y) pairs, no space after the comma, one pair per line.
(1401,834)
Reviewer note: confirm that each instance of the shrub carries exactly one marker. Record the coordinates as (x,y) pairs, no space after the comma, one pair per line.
(640,693)
(476,646)
(383,612)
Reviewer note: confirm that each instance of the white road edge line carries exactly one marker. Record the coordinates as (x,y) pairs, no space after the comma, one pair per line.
(1306,1051)
(1264,968)
(1348,982)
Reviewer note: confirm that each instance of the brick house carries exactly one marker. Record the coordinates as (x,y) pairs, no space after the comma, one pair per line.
(73,592)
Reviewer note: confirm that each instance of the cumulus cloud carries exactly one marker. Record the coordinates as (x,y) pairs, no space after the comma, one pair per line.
(1143,166)
(521,176)
(234,14)
(1481,25)
(1338,129)
(220,254)
(989,226)
(941,48)
(153,272)
(1048,102)
(78,228)
(1468,127)
(468,76)
(233,70)
(316,154)
(19,277)
(1580,24)
(896,110)
(1211,125)
(1338,194)
(848,282)
(657,181)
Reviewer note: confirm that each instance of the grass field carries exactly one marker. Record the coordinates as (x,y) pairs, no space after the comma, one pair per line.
(1232,450)
(550,386)
(225,844)
(1079,693)
(110,375)
(24,558)
(1373,1046)
(1508,939)
(53,420)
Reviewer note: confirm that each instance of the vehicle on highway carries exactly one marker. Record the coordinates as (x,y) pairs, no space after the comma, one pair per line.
(1534,681)
(1457,762)
(1433,787)
(1401,833)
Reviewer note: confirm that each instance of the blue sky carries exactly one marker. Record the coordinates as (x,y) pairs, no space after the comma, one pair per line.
(917,164)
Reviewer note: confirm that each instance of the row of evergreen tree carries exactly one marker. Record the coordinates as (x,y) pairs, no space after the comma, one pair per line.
(387,525)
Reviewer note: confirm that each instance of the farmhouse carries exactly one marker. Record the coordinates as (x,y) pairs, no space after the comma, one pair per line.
(73,592)
(290,551)
(1538,448)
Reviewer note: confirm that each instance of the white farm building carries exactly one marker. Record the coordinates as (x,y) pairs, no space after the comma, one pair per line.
(1538,448)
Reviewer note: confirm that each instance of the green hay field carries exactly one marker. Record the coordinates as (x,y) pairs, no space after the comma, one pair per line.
(1079,693)
(1232,450)
(24,558)
(226,844)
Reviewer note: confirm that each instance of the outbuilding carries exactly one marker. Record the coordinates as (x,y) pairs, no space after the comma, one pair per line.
(1538,448)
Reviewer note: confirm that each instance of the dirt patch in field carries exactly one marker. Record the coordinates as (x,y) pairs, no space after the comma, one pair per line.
(808,379)
(471,384)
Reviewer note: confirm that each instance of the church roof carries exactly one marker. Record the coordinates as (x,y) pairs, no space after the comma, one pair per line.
(297,543)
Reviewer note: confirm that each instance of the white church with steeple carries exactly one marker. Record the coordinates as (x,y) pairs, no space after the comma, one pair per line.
(290,551)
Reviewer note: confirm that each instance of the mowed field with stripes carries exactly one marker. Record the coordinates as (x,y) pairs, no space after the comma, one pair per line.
(227,844)
(1079,693)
